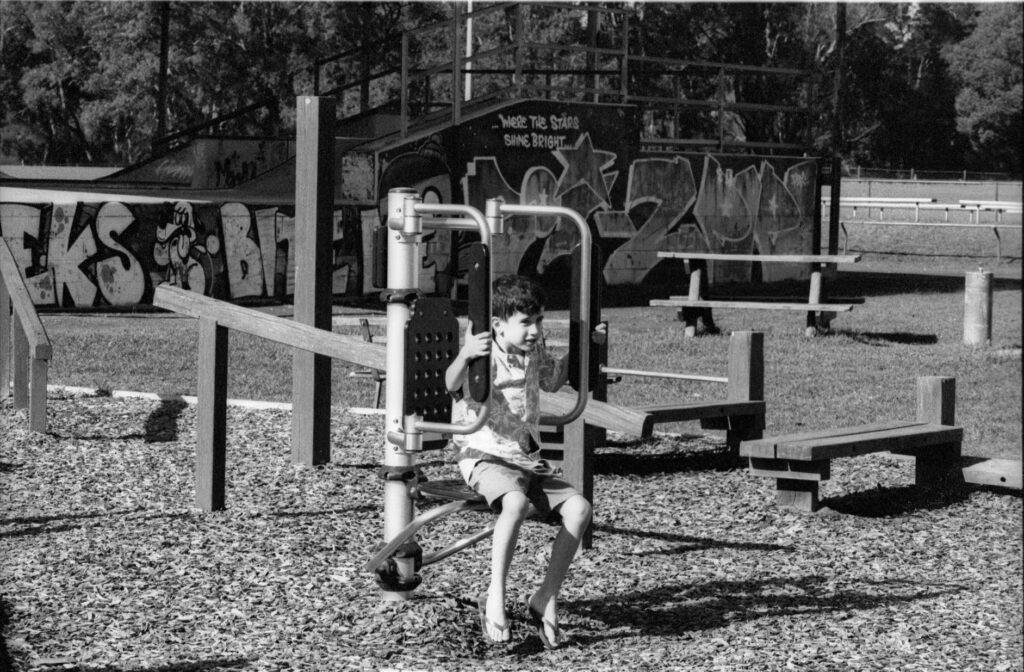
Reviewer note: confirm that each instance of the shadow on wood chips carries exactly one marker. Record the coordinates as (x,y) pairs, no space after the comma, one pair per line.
(895,501)
(676,608)
(162,423)
(635,457)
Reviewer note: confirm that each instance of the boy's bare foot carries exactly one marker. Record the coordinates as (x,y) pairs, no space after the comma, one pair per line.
(544,615)
(494,621)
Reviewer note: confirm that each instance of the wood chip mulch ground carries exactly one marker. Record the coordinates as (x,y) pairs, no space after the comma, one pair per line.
(106,565)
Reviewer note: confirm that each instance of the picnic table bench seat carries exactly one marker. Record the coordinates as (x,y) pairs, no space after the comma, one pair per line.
(799,462)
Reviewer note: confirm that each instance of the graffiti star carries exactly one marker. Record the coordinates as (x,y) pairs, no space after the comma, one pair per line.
(584,165)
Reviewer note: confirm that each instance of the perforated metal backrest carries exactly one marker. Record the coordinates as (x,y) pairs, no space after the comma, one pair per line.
(431,343)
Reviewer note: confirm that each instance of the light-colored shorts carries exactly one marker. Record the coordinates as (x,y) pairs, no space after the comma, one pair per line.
(493,480)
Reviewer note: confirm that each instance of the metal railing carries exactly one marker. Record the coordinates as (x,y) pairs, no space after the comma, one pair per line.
(683,104)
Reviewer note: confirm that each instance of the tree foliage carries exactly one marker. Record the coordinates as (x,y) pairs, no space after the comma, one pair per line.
(987,67)
(930,86)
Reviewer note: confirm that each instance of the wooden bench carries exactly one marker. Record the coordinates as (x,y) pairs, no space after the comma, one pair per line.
(994,226)
(799,462)
(697,305)
(998,207)
(741,413)
(881,203)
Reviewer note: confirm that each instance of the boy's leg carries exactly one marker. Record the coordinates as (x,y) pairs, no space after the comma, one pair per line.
(514,508)
(576,514)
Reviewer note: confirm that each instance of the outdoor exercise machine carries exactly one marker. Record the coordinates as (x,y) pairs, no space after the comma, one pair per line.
(422,340)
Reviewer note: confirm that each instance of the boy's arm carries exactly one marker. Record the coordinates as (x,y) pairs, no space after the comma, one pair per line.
(473,346)
(559,373)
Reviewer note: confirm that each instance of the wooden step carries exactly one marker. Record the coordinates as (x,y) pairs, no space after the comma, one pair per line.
(769,445)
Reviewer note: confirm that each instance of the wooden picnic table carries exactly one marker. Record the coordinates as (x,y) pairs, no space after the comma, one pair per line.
(696,304)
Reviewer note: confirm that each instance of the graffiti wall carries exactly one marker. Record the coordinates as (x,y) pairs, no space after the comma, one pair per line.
(115,253)
(585,157)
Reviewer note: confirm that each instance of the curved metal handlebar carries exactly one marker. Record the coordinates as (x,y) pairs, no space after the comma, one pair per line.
(584,303)
(455,223)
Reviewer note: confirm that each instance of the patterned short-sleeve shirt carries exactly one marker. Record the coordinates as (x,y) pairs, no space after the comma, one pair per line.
(516,382)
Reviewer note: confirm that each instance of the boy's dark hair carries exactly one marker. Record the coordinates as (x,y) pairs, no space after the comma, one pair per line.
(514,293)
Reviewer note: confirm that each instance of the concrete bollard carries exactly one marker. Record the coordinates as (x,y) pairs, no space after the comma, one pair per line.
(978,308)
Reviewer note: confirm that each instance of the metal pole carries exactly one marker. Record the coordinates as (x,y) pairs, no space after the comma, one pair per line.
(469,51)
(403,260)
(835,191)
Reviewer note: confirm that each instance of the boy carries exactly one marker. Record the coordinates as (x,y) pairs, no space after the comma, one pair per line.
(499,460)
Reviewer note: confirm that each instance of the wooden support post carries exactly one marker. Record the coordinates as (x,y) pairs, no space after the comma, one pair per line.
(314,212)
(211,415)
(936,400)
(814,296)
(37,395)
(688,316)
(746,383)
(938,466)
(6,325)
(797,494)
(20,366)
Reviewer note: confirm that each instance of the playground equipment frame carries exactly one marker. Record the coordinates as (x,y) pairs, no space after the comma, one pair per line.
(23,343)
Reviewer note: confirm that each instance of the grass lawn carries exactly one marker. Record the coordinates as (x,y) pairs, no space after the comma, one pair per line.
(865,371)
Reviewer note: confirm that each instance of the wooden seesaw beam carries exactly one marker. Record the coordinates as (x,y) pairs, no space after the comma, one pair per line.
(215,319)
(277,329)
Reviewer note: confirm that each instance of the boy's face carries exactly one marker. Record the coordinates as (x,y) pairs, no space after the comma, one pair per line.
(519,330)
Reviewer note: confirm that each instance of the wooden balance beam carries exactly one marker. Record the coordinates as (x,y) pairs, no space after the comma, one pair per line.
(799,462)
(740,414)
(819,311)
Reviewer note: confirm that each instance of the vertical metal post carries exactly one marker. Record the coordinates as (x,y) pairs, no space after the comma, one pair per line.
(403,262)
(468,92)
(835,190)
(456,64)
(518,53)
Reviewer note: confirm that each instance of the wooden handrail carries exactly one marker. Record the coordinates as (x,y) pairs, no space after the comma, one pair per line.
(25,336)
(276,329)
(24,309)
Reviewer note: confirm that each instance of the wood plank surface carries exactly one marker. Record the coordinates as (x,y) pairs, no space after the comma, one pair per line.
(705,409)
(767,258)
(998,472)
(280,330)
(600,413)
(767,446)
(893,440)
(754,305)
(856,300)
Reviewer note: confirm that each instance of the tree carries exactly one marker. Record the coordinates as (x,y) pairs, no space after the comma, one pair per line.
(987,64)
(80,79)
